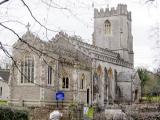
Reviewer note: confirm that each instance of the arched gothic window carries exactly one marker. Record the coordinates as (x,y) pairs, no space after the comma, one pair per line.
(27,70)
(115,75)
(99,70)
(82,82)
(105,85)
(65,82)
(95,85)
(110,73)
(49,82)
(105,74)
(107,27)
(65,79)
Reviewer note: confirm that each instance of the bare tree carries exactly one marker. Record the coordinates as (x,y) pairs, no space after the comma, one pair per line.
(37,51)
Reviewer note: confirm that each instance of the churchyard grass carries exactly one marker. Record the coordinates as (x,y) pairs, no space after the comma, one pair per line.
(3,102)
(151,98)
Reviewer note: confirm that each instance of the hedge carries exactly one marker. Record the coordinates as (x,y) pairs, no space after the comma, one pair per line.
(7,113)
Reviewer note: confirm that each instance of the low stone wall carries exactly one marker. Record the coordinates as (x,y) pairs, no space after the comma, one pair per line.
(42,113)
(133,112)
(39,113)
(143,111)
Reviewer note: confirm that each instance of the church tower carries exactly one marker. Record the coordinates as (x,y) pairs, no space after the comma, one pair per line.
(112,30)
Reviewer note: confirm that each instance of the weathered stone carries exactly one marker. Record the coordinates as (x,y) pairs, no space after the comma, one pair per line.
(100,73)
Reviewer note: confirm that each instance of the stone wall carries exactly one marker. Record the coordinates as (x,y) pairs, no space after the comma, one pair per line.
(39,113)
(143,111)
(120,39)
(42,113)
(133,112)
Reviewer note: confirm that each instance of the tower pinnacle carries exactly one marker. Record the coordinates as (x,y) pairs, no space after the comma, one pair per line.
(28,26)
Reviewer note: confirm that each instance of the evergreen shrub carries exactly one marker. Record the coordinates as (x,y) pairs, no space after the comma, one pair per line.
(7,113)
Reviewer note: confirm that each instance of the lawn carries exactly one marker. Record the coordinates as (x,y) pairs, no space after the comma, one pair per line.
(3,102)
(151,98)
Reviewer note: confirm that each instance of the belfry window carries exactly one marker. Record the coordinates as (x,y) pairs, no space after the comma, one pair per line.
(65,82)
(27,70)
(107,27)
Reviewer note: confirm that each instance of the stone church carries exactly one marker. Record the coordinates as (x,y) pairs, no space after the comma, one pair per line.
(98,73)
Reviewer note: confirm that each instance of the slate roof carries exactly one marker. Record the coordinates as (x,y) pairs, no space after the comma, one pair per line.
(4,74)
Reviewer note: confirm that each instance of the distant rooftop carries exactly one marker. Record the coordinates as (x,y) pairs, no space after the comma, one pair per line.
(4,74)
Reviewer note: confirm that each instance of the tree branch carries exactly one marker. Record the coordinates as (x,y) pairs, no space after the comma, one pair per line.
(4,1)
(35,18)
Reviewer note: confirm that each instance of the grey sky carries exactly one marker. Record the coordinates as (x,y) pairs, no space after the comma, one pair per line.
(78,20)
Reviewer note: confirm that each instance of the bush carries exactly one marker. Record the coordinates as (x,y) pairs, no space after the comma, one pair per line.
(13,114)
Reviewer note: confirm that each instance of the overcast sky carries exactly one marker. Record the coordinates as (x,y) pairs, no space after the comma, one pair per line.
(77,19)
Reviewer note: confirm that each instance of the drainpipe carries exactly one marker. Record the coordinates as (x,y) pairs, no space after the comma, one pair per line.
(92,77)
(131,90)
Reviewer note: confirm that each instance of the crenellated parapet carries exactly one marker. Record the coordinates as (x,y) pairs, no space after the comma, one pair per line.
(121,9)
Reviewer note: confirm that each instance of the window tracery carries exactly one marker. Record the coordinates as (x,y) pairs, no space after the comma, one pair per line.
(82,82)
(27,70)
(107,27)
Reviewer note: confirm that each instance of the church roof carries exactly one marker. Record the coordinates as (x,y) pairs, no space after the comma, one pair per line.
(89,50)
(94,48)
(76,40)
(73,44)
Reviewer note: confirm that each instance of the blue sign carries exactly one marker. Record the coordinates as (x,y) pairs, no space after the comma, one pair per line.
(60,95)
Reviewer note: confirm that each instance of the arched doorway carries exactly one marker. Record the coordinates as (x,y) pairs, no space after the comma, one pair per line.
(135,95)
(118,95)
